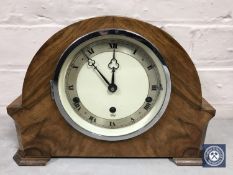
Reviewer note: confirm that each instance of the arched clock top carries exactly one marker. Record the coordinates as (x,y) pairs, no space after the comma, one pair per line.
(183,72)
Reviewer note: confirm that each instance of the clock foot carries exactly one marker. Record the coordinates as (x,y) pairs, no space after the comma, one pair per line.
(187,161)
(23,160)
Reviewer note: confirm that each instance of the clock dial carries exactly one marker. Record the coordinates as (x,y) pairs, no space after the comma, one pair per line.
(112,85)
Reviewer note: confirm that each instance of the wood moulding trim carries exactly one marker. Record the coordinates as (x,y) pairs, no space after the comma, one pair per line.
(22,160)
(187,161)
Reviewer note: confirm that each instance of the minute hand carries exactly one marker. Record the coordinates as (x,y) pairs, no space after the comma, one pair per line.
(102,75)
(91,62)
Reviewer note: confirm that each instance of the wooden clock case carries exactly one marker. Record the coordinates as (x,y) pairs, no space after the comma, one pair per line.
(43,133)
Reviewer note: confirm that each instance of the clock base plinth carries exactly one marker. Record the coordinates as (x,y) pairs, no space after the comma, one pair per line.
(23,160)
(187,161)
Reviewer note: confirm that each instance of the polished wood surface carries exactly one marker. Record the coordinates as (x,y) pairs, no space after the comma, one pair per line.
(187,161)
(43,133)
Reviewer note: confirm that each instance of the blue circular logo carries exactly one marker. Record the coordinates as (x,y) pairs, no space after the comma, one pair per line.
(214,156)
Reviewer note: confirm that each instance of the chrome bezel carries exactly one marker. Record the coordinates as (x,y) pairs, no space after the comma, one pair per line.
(79,41)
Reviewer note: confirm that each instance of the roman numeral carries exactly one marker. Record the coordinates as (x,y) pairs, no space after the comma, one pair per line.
(157,87)
(71,87)
(134,52)
(76,103)
(150,67)
(92,119)
(154,87)
(132,120)
(90,51)
(113,45)
(75,67)
(147,106)
(112,124)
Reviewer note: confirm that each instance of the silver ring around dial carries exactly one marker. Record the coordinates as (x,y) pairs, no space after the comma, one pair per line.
(77,42)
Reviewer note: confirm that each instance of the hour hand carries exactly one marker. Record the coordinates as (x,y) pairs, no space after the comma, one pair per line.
(112,87)
(113,76)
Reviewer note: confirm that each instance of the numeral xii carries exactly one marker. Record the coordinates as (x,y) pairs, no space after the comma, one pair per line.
(113,45)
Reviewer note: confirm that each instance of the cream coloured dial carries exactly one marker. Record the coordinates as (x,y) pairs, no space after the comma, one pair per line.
(112,86)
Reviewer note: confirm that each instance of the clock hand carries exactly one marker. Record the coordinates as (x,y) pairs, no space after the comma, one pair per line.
(102,75)
(112,87)
(114,65)
(113,76)
(91,62)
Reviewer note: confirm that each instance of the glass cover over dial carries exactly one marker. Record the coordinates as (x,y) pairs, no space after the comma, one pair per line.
(111,85)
